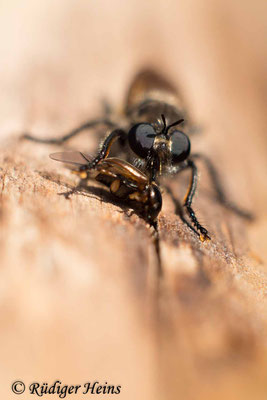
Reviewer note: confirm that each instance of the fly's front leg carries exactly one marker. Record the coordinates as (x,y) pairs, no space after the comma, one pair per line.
(179,209)
(188,202)
(117,134)
(71,134)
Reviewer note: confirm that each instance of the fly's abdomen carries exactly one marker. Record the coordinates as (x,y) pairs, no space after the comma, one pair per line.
(151,95)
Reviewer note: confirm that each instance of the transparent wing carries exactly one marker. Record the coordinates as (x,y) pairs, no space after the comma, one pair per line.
(71,157)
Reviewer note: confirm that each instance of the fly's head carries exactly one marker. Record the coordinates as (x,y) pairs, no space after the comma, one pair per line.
(159,148)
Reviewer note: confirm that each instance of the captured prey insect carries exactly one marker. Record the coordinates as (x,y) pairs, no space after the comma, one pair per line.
(148,138)
(125,181)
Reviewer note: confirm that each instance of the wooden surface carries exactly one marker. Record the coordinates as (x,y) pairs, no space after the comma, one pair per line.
(79,295)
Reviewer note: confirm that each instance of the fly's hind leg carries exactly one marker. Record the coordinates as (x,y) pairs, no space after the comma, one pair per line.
(71,134)
(218,187)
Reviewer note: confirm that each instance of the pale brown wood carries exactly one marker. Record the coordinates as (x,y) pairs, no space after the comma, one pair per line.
(79,295)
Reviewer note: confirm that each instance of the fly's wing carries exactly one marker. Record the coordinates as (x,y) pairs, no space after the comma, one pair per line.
(75,158)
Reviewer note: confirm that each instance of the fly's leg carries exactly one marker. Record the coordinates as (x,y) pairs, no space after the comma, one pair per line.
(179,210)
(117,134)
(71,134)
(220,195)
(83,170)
(188,202)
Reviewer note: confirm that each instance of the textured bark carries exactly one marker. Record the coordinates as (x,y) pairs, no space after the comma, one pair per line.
(79,295)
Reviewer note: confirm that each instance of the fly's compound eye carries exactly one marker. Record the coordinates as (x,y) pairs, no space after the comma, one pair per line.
(180,146)
(141,139)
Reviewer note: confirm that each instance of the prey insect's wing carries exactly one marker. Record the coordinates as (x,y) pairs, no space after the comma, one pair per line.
(124,169)
(71,157)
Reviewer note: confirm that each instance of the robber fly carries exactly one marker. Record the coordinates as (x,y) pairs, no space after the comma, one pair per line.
(149,135)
